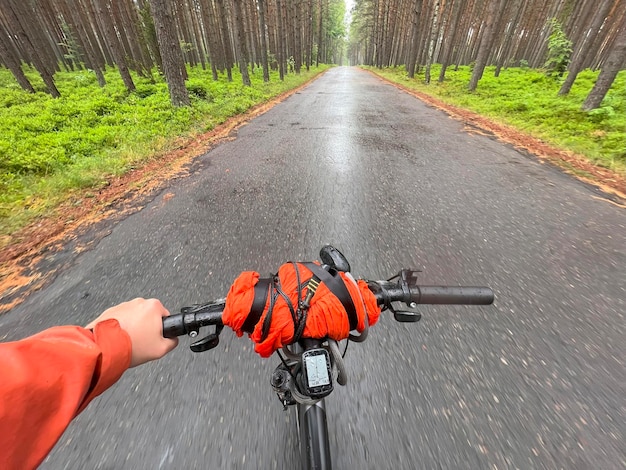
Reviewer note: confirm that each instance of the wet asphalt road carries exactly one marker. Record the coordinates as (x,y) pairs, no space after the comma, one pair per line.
(535,381)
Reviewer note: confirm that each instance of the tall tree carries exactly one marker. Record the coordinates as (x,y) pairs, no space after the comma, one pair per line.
(514,11)
(171,54)
(8,58)
(77,19)
(21,20)
(451,39)
(580,58)
(433,38)
(281,53)
(225,37)
(486,44)
(262,32)
(297,11)
(415,37)
(320,34)
(104,15)
(148,32)
(240,43)
(615,61)
(212,38)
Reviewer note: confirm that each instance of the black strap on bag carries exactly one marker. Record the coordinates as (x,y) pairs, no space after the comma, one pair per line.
(335,283)
(258,305)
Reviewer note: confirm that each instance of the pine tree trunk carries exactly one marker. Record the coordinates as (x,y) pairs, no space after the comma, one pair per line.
(614,63)
(431,42)
(262,28)
(79,23)
(320,23)
(216,52)
(415,22)
(450,42)
(173,64)
(114,46)
(149,35)
(226,44)
(14,11)
(486,44)
(240,43)
(297,10)
(580,58)
(281,38)
(12,63)
(516,9)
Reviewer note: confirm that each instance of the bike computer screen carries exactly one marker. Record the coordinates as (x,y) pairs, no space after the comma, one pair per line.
(317,372)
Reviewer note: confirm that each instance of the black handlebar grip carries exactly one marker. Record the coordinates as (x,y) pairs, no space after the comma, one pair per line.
(452,295)
(173,326)
(189,321)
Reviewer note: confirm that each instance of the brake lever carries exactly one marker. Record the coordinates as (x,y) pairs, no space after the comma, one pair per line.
(407,278)
(405,316)
(208,342)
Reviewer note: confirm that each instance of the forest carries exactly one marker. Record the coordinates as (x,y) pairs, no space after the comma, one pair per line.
(548,68)
(89,88)
(557,35)
(139,35)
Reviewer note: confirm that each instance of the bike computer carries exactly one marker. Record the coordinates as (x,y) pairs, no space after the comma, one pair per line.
(317,373)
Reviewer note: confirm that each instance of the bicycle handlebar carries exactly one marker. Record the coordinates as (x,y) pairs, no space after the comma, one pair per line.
(431,295)
(191,319)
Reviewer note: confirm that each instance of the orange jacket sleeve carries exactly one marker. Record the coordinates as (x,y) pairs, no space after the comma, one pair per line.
(48,379)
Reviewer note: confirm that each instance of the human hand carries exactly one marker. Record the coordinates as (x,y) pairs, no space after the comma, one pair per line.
(142,320)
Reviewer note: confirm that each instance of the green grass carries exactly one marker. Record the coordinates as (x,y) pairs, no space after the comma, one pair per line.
(528,100)
(49,148)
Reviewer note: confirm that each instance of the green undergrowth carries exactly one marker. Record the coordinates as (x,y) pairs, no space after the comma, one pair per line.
(528,100)
(50,148)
